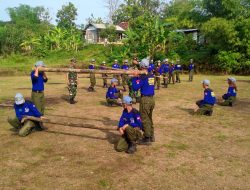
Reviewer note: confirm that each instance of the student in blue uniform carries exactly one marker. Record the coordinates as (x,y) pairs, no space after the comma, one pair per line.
(151,66)
(230,97)
(129,126)
(145,83)
(24,108)
(113,95)
(165,70)
(171,73)
(206,105)
(117,76)
(178,70)
(38,79)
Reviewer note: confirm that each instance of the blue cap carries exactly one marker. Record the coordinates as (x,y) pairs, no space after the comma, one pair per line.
(19,99)
(113,80)
(40,64)
(232,79)
(144,63)
(206,82)
(127,100)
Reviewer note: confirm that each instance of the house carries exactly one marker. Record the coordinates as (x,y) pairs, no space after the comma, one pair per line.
(92,33)
(195,32)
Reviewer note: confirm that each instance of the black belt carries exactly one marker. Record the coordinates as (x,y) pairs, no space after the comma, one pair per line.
(146,96)
(37,91)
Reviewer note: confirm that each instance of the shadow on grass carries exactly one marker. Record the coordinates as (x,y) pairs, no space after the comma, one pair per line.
(188,110)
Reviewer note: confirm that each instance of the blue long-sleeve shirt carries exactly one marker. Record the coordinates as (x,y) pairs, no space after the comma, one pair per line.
(37,82)
(151,67)
(91,67)
(111,93)
(191,66)
(145,83)
(231,91)
(165,68)
(125,67)
(26,109)
(171,69)
(209,97)
(178,67)
(115,66)
(132,118)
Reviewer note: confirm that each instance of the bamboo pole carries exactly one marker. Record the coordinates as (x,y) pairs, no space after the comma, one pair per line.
(129,72)
(85,77)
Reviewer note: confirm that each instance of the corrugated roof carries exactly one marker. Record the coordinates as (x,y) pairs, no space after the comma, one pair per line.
(187,30)
(103,26)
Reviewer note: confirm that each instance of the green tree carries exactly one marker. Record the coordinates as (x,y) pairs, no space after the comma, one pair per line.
(66,16)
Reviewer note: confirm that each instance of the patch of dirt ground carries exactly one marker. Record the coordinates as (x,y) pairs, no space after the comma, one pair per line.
(190,152)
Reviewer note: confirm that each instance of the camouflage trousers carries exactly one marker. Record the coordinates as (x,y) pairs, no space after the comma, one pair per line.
(92,80)
(204,109)
(105,81)
(171,77)
(135,95)
(147,105)
(124,80)
(23,128)
(191,75)
(131,135)
(157,81)
(39,101)
(72,90)
(165,79)
(177,75)
(228,101)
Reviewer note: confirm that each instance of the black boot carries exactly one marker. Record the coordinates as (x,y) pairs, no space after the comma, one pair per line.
(145,141)
(71,101)
(152,138)
(131,148)
(209,113)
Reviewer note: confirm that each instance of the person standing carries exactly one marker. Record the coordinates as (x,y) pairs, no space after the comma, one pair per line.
(145,83)
(125,76)
(104,76)
(191,70)
(38,79)
(171,73)
(72,80)
(157,75)
(165,70)
(92,76)
(116,66)
(178,70)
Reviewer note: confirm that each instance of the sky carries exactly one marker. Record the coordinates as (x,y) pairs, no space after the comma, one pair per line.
(85,8)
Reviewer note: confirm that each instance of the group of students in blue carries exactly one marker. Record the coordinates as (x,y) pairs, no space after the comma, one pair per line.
(205,106)
(135,127)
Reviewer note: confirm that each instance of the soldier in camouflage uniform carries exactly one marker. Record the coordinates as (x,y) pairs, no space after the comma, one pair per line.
(92,76)
(72,80)
(135,95)
(104,76)
(125,76)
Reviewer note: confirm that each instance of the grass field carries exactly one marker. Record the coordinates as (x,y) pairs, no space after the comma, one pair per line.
(190,152)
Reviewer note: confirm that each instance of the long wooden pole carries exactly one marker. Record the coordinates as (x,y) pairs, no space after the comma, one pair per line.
(128,72)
